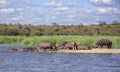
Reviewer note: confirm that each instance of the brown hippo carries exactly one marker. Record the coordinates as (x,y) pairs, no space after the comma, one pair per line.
(12,49)
(29,49)
(61,46)
(69,45)
(104,42)
(63,43)
(47,45)
(84,47)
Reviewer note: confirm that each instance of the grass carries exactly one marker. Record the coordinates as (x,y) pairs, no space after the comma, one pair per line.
(35,40)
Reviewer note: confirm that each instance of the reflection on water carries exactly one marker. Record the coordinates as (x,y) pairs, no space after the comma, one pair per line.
(56,62)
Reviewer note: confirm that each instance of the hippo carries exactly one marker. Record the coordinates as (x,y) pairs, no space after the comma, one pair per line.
(69,45)
(47,45)
(61,46)
(63,43)
(28,49)
(12,50)
(84,47)
(104,42)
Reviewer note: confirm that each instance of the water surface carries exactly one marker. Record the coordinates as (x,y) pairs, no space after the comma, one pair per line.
(56,62)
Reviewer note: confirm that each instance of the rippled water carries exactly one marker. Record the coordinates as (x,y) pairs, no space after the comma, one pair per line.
(56,62)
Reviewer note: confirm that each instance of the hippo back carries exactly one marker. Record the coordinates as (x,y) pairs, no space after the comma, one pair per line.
(28,49)
(71,45)
(47,45)
(84,47)
(63,43)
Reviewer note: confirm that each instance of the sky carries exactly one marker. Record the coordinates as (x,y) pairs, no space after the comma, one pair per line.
(63,12)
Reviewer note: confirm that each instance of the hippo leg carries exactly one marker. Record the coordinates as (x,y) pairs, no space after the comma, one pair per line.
(51,48)
(73,48)
(109,47)
(101,46)
(44,49)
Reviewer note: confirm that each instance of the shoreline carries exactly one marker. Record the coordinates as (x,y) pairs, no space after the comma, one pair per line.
(93,51)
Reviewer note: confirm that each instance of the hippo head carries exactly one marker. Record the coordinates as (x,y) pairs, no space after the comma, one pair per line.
(54,48)
(92,47)
(96,46)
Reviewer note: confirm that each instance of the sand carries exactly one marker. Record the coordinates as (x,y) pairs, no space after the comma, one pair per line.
(94,51)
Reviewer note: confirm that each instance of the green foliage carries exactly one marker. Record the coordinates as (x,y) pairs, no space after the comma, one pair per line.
(35,40)
(112,29)
(11,39)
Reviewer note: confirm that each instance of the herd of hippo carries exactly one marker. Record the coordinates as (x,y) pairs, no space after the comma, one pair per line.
(70,45)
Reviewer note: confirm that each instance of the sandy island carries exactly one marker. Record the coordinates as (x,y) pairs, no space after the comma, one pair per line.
(93,51)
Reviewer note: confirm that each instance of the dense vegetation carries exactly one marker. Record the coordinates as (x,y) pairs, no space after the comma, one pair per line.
(32,35)
(35,40)
(111,29)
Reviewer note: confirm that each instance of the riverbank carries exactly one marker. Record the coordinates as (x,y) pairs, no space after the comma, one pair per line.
(93,51)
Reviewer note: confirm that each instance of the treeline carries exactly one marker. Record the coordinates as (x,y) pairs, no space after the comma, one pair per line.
(112,29)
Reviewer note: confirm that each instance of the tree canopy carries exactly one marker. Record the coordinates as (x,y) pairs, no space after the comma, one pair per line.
(18,29)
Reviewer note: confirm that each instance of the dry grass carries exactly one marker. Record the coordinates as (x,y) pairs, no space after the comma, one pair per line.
(94,51)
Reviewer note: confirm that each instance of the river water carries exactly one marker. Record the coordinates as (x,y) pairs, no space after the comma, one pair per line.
(56,62)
